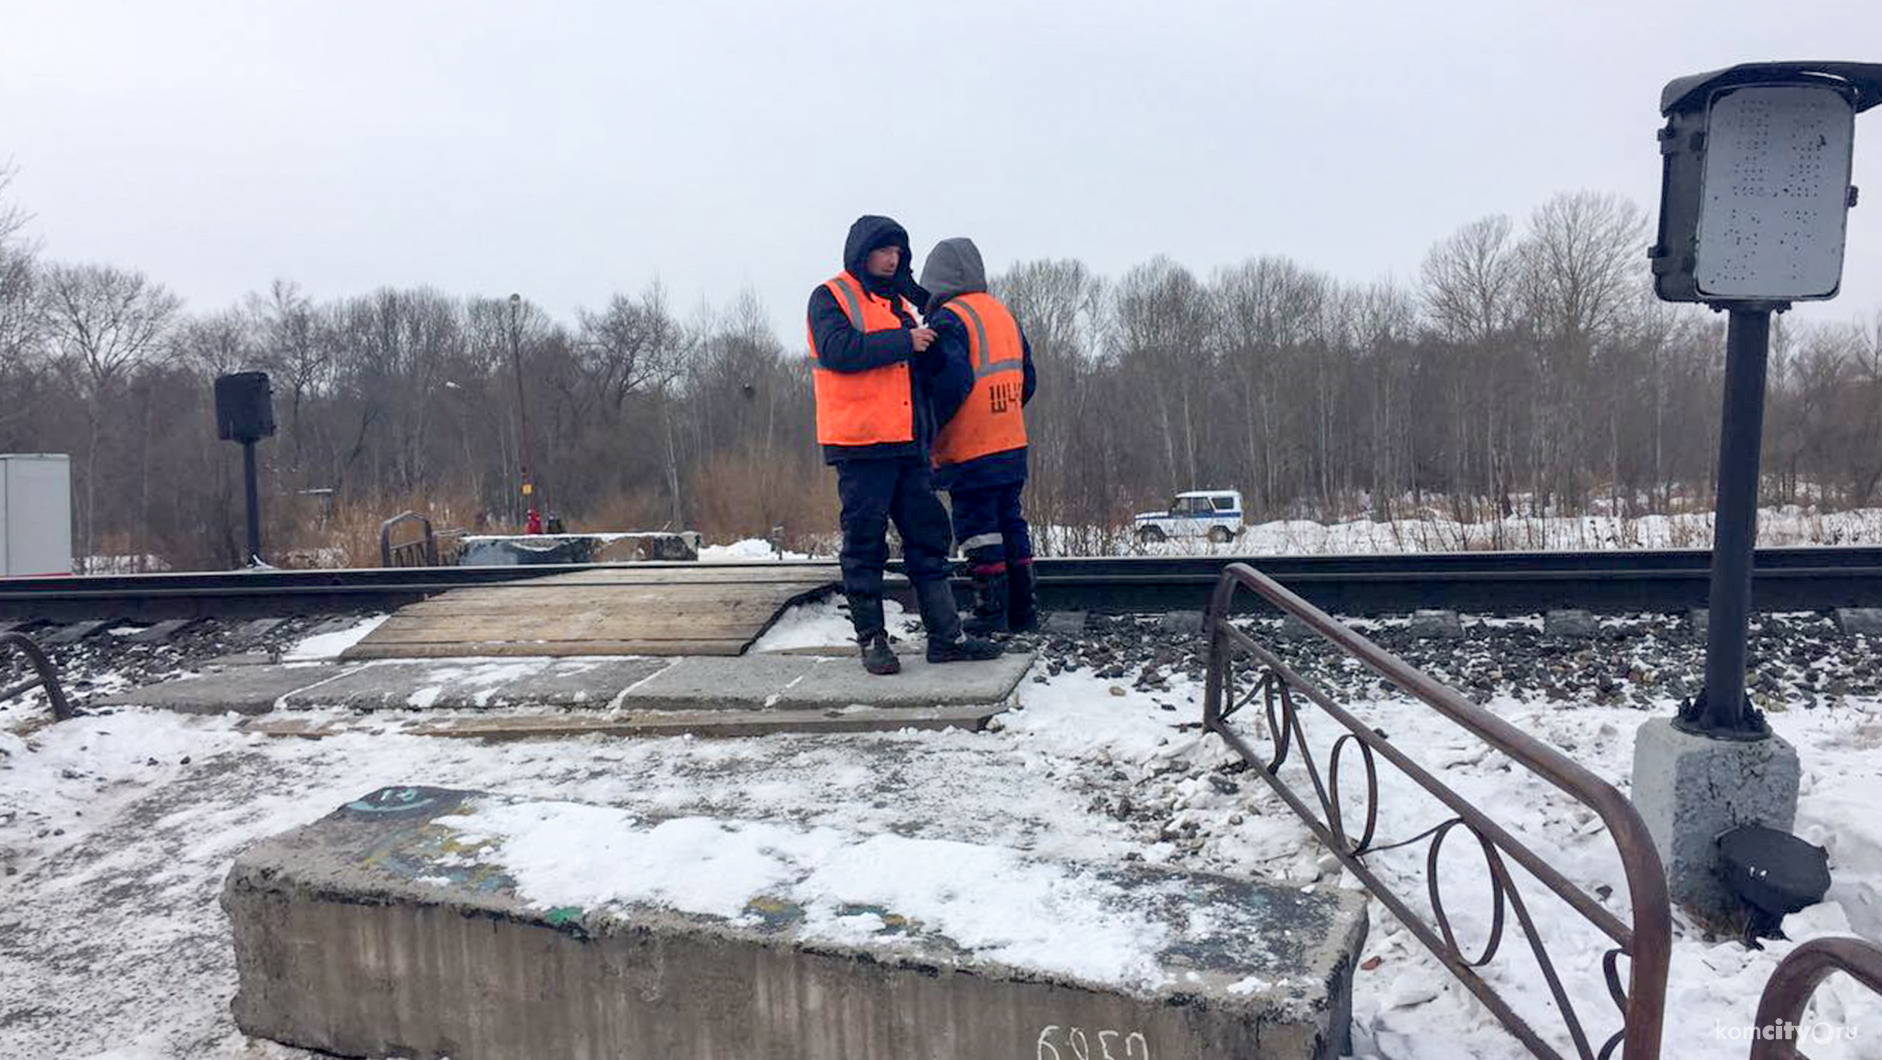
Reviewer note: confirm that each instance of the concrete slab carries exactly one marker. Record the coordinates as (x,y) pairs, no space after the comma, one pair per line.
(795,682)
(243,689)
(492,725)
(843,682)
(417,922)
(480,684)
(708,683)
(244,658)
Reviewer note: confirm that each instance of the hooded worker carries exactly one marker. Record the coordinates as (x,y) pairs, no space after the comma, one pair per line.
(875,427)
(979,386)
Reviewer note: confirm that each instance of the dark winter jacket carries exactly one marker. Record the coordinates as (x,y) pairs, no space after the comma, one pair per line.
(841,348)
(954,268)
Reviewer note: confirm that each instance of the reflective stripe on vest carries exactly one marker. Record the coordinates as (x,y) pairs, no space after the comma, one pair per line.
(862,408)
(991,420)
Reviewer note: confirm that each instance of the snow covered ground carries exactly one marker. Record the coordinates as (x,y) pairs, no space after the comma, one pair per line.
(747,550)
(116,831)
(1777,527)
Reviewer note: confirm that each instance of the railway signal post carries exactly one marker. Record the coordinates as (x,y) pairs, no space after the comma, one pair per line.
(1754,200)
(245,414)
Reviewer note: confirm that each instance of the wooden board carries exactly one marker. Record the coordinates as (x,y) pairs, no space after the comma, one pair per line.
(613,611)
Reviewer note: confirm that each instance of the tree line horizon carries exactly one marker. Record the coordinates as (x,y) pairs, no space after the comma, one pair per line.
(1528,370)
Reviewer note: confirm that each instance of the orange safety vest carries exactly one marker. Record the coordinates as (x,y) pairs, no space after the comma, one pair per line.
(869,407)
(991,420)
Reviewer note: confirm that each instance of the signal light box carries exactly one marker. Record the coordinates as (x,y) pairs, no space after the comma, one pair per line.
(1755,188)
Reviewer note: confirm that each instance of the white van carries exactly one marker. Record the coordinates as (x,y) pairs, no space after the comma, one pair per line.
(1214,514)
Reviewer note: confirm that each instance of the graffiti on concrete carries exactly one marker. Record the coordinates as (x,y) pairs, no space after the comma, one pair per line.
(1112,1045)
(404,799)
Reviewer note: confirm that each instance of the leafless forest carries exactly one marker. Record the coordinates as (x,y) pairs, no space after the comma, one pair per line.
(1527,368)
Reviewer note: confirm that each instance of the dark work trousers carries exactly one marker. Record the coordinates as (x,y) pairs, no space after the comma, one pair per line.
(874,492)
(990,529)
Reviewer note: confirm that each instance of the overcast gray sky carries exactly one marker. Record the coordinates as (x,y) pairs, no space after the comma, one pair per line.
(568,150)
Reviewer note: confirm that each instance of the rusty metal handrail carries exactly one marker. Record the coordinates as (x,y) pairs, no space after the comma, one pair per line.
(1796,978)
(424,549)
(1646,942)
(48,675)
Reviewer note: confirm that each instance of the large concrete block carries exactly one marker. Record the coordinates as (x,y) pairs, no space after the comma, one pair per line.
(423,922)
(1691,789)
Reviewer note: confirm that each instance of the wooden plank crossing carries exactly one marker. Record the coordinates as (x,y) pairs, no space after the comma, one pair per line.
(608,611)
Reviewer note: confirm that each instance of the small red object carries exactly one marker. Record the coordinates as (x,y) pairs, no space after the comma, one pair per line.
(534,525)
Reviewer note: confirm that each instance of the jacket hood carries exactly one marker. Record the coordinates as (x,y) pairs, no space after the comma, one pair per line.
(953,268)
(868,233)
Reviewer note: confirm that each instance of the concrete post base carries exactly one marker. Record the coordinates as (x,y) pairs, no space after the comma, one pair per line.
(1692,789)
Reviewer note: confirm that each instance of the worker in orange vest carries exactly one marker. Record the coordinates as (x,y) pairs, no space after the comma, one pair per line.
(979,386)
(875,427)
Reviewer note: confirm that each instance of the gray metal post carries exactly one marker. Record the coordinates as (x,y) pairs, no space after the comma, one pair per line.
(1724,711)
(254,502)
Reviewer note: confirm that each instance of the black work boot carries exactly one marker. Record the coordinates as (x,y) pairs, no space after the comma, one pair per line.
(990,595)
(866,616)
(943,621)
(1022,608)
(879,658)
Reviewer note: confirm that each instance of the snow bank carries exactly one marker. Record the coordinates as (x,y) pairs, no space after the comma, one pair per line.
(991,900)
(749,550)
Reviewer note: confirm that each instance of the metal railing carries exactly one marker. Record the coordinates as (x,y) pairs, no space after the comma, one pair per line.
(1646,941)
(421,551)
(1797,976)
(48,676)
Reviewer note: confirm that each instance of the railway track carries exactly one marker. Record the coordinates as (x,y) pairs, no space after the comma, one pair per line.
(1665,581)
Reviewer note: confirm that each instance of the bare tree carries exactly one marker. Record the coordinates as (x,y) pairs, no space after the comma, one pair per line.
(104,323)
(633,344)
(1160,332)
(290,344)
(20,322)
(1581,272)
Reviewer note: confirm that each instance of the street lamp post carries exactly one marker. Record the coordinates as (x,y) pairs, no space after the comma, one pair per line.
(532,522)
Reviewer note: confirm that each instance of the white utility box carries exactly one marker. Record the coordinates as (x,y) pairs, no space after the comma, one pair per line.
(35,514)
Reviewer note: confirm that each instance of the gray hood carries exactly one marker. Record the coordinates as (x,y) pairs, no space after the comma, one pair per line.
(953,268)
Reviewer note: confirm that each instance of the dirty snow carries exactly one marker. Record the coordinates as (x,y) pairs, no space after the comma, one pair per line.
(825,623)
(116,832)
(989,899)
(330,645)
